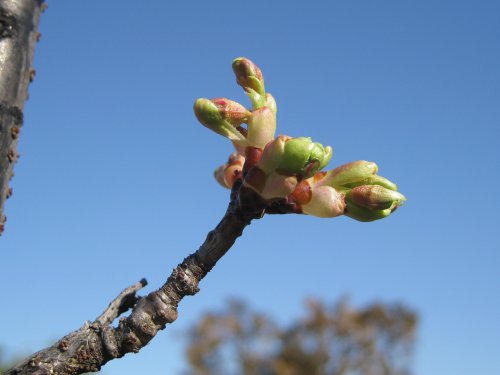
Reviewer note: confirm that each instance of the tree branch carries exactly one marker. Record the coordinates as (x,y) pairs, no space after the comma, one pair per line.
(96,343)
(18,36)
(121,304)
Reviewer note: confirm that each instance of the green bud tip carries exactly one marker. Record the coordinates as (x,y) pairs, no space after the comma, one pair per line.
(303,157)
(221,118)
(349,173)
(374,180)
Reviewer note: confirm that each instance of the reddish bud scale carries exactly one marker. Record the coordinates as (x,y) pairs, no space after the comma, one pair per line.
(318,176)
(233,170)
(256,179)
(252,155)
(232,174)
(371,196)
(302,193)
(310,167)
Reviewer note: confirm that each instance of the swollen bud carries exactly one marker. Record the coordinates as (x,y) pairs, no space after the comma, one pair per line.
(376,197)
(303,157)
(375,180)
(222,116)
(365,214)
(349,173)
(231,111)
(249,76)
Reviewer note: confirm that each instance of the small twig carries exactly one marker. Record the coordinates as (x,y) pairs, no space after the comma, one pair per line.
(125,301)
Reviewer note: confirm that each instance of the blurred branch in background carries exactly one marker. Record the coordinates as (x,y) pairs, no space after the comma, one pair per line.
(328,340)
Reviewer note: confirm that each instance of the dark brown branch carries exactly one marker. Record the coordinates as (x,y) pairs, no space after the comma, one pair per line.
(18,36)
(121,304)
(96,343)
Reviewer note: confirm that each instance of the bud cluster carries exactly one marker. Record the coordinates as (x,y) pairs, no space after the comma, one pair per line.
(289,169)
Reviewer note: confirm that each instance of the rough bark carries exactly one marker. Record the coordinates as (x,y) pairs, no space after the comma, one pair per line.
(18,36)
(98,342)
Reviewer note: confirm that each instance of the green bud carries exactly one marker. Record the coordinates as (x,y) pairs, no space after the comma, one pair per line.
(261,127)
(364,214)
(349,173)
(222,119)
(376,197)
(304,158)
(325,202)
(375,180)
(326,158)
(249,76)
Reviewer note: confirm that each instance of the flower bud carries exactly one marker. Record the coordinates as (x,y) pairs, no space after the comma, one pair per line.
(376,197)
(324,201)
(261,127)
(232,111)
(249,76)
(365,214)
(349,173)
(375,180)
(222,116)
(304,158)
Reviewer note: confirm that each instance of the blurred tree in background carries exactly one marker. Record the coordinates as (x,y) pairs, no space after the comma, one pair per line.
(335,340)
(3,367)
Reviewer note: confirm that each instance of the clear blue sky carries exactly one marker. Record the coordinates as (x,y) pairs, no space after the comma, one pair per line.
(115,177)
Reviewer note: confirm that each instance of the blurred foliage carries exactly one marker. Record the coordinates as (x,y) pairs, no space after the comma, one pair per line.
(335,340)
